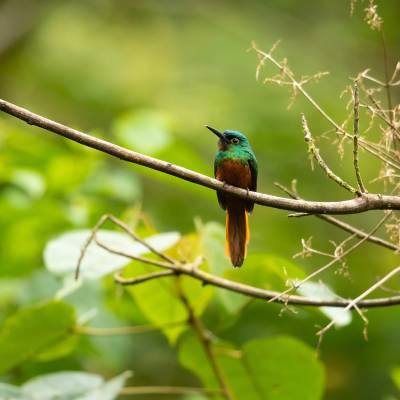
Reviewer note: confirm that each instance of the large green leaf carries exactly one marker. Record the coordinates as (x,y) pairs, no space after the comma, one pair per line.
(283,368)
(34,330)
(145,131)
(280,368)
(159,299)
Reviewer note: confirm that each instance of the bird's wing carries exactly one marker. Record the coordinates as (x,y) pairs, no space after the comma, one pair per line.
(220,195)
(253,186)
(254,173)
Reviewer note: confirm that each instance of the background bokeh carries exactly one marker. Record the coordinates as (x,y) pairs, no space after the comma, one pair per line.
(148,75)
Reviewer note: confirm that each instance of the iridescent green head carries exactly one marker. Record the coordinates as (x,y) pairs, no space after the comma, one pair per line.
(229,140)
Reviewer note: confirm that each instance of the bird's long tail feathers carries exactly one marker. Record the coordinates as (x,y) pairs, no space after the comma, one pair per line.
(237,232)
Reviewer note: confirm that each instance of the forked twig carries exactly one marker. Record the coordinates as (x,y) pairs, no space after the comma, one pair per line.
(315,153)
(356,301)
(338,257)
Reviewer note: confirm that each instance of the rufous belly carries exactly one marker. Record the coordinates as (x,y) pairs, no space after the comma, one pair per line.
(234,173)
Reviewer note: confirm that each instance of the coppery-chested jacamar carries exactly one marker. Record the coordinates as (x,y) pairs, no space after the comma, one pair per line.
(235,164)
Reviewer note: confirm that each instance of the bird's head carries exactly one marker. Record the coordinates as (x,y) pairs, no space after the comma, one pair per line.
(229,139)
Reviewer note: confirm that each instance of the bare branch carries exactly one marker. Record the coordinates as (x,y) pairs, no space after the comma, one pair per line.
(358,205)
(205,340)
(191,269)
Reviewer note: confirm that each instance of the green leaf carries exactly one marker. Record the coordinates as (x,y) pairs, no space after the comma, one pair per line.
(32,331)
(158,301)
(30,181)
(285,368)
(61,254)
(145,131)
(59,350)
(395,374)
(263,369)
(192,355)
(114,183)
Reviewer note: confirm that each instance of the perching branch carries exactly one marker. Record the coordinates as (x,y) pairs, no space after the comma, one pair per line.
(361,204)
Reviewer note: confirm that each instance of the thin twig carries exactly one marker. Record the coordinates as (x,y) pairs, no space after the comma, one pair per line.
(205,340)
(149,261)
(108,217)
(135,237)
(357,300)
(321,162)
(382,115)
(143,278)
(168,390)
(387,79)
(85,246)
(337,258)
(124,330)
(356,136)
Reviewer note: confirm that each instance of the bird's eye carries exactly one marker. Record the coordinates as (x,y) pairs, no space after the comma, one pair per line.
(235,140)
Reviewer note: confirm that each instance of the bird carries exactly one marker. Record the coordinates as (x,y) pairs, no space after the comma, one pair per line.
(235,164)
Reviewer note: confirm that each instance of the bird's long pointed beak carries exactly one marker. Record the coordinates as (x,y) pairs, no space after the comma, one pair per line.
(216,132)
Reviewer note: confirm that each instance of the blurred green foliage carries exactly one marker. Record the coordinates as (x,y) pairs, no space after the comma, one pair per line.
(148,75)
